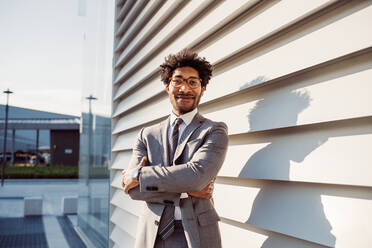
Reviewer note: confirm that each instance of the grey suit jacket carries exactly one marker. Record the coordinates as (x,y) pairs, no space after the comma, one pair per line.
(203,146)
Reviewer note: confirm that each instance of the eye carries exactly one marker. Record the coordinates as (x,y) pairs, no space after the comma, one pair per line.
(193,82)
(177,81)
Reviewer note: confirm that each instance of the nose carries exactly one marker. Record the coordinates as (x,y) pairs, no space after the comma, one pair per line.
(185,87)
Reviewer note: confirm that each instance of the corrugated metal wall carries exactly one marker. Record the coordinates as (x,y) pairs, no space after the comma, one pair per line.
(292,81)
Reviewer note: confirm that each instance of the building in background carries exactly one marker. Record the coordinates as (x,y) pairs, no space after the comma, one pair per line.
(35,134)
(292,81)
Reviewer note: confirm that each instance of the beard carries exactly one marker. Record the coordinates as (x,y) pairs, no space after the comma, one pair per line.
(183,108)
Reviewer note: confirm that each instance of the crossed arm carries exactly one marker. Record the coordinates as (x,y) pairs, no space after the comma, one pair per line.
(195,177)
(129,184)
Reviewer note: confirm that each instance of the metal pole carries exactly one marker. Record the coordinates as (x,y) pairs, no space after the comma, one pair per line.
(90,133)
(13,145)
(7,92)
(37,146)
(89,139)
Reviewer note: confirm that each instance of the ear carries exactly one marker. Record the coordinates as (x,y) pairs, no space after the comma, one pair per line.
(202,90)
(166,87)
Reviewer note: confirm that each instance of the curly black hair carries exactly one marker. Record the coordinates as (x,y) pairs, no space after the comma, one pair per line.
(186,57)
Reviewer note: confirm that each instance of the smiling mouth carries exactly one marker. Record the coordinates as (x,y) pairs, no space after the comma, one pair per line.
(184,97)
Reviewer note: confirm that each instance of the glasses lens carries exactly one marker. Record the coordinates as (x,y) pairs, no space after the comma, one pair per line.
(191,82)
(176,82)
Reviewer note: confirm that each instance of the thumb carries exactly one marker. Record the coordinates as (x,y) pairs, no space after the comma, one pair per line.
(143,161)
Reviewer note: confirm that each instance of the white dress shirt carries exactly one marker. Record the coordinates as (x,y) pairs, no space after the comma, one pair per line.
(186,120)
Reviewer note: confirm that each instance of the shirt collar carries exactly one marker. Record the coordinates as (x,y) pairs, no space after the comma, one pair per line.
(186,118)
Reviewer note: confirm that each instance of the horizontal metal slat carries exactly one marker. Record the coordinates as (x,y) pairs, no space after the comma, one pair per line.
(221,51)
(120,237)
(304,211)
(125,9)
(143,18)
(121,160)
(306,91)
(123,201)
(126,221)
(181,22)
(308,154)
(132,15)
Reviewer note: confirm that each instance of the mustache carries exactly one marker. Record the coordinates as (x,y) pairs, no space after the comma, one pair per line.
(185,95)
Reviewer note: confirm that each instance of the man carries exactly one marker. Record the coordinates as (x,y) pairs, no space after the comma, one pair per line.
(174,163)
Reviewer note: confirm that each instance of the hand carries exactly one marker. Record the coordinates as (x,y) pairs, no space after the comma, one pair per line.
(205,193)
(126,179)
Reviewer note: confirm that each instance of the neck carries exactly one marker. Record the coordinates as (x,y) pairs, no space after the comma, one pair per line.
(180,113)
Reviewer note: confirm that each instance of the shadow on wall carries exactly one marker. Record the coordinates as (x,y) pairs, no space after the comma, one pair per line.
(282,206)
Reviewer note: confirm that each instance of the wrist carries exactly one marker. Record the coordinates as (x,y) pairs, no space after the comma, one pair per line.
(136,173)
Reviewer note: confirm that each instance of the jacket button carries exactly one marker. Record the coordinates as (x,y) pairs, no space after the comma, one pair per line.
(156,222)
(151,188)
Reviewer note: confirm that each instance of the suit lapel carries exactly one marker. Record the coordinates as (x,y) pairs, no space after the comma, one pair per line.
(164,136)
(189,130)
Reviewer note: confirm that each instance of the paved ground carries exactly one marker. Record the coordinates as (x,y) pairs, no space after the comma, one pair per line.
(50,230)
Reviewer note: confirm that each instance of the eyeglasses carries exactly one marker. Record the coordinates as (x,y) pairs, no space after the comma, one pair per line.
(192,82)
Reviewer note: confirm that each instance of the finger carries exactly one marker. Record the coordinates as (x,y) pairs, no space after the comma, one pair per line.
(122,181)
(123,172)
(143,161)
(126,189)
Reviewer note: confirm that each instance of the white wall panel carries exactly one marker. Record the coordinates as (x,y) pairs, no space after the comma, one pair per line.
(308,102)
(314,98)
(124,202)
(243,235)
(125,221)
(297,54)
(121,238)
(131,16)
(317,158)
(299,210)
(116,179)
(125,141)
(121,160)
(123,10)
(144,93)
(137,24)
(163,11)
(292,81)
(191,6)
(350,220)
(158,108)
(222,10)
(261,25)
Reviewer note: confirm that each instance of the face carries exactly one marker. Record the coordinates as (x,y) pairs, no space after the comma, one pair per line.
(184,99)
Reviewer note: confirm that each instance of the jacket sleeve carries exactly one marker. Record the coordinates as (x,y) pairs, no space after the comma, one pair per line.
(139,151)
(193,175)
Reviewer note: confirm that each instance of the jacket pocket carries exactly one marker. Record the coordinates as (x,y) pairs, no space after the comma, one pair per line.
(207,218)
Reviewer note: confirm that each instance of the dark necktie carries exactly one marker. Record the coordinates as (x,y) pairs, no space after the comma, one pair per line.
(166,226)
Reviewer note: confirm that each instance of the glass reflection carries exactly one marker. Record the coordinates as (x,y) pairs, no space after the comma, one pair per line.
(95,128)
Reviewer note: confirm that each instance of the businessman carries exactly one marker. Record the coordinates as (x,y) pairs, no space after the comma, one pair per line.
(174,163)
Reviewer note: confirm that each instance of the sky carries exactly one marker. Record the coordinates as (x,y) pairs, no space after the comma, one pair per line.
(54,53)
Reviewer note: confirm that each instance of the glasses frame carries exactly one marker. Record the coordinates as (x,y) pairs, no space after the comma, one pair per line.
(187,80)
